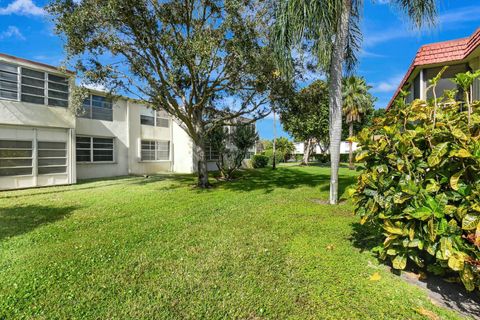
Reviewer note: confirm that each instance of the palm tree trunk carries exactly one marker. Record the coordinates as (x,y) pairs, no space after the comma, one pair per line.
(335,90)
(350,155)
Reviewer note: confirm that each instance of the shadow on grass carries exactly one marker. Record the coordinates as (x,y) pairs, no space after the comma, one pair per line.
(267,179)
(22,219)
(365,236)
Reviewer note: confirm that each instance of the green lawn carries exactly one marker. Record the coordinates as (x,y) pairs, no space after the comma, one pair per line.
(263,246)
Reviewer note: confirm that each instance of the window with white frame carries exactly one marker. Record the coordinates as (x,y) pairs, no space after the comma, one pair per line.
(212,154)
(35,86)
(157,120)
(154,150)
(97,107)
(52,157)
(93,149)
(8,81)
(16,158)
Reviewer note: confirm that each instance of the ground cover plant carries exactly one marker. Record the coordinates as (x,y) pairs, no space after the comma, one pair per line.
(261,247)
(421,185)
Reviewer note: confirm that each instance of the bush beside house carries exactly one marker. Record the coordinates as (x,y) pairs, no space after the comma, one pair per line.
(421,187)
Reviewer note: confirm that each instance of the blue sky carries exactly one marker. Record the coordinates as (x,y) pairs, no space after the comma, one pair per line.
(388,48)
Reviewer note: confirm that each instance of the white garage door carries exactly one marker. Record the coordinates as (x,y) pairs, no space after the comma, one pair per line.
(34,157)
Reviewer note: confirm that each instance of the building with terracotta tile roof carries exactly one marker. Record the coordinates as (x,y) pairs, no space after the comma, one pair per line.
(460,55)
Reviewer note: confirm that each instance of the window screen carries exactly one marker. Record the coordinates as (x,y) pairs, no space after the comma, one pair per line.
(97,107)
(33,86)
(212,154)
(91,149)
(155,150)
(147,120)
(8,81)
(57,91)
(162,122)
(52,157)
(15,157)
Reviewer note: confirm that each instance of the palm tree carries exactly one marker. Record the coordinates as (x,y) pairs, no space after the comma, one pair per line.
(330,29)
(356,100)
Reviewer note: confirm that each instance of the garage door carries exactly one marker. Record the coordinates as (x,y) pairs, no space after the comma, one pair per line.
(31,157)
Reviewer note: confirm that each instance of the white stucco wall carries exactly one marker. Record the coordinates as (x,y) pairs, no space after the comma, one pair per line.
(183,158)
(117,129)
(139,132)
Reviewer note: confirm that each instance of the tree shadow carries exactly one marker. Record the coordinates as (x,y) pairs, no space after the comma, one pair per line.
(268,180)
(365,236)
(22,219)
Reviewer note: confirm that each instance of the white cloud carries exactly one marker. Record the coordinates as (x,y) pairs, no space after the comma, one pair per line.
(387,86)
(11,32)
(23,8)
(465,14)
(447,21)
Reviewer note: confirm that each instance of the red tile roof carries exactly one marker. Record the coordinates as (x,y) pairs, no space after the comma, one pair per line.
(33,62)
(441,52)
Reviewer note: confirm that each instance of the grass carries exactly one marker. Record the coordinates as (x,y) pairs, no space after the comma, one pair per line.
(258,247)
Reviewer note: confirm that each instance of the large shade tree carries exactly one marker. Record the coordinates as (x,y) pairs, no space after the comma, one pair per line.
(205,62)
(357,101)
(305,116)
(329,30)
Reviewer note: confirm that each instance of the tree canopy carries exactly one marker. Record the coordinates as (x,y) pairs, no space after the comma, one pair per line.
(305,117)
(204,62)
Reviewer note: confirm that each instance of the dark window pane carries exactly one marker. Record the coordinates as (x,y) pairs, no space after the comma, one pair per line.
(51,153)
(33,82)
(15,171)
(101,102)
(10,86)
(50,170)
(52,145)
(52,77)
(162,122)
(32,99)
(102,158)
(83,155)
(52,162)
(102,140)
(12,144)
(33,73)
(147,120)
(8,95)
(8,76)
(15,153)
(58,95)
(83,139)
(57,86)
(102,152)
(33,90)
(102,114)
(15,162)
(8,67)
(58,103)
(148,155)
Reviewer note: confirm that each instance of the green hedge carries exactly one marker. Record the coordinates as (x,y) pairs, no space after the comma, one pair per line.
(259,161)
(421,185)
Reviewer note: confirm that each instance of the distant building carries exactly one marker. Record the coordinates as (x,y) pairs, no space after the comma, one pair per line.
(344,148)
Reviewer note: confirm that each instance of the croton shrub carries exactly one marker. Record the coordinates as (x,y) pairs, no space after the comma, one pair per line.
(421,184)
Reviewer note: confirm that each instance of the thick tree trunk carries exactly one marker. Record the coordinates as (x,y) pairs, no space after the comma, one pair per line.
(201,164)
(335,91)
(350,154)
(306,152)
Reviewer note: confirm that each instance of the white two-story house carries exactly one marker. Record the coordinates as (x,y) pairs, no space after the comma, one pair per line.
(42,143)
